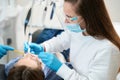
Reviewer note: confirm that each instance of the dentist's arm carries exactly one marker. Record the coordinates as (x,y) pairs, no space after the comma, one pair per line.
(4,49)
(48,58)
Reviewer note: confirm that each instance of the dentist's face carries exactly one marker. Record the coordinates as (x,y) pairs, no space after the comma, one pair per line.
(70,13)
(29,60)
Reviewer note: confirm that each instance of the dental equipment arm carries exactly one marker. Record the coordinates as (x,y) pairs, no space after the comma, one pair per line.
(53,10)
(30,33)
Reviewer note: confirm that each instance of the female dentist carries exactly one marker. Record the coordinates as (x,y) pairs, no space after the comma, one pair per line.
(94,44)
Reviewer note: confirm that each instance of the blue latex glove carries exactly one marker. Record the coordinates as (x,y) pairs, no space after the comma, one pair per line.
(4,49)
(34,48)
(50,60)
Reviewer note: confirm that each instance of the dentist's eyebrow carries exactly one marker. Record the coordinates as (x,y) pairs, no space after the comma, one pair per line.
(69,16)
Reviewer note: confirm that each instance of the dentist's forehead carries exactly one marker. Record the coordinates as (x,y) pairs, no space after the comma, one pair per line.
(69,10)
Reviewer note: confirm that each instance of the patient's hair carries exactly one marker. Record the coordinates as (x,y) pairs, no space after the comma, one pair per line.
(25,73)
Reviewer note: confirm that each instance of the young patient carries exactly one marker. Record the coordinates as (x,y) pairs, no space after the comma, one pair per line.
(27,67)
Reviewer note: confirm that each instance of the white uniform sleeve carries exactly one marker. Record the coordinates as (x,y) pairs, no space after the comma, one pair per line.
(104,66)
(59,43)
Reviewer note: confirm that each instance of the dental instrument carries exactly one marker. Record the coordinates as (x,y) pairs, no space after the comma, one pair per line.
(29,41)
(18,51)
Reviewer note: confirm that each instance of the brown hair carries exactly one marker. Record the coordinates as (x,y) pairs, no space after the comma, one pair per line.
(25,73)
(97,19)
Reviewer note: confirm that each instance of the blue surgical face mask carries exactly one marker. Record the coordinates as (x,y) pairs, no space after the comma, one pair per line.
(74,27)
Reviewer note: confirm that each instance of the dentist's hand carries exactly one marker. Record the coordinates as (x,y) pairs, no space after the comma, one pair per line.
(4,49)
(34,48)
(50,60)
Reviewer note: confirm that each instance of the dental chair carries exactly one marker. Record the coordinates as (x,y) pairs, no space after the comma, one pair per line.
(2,72)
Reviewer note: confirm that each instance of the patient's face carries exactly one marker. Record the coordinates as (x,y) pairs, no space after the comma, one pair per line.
(29,60)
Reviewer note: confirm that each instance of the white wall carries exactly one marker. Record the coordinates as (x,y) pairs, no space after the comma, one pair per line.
(23,2)
(113,7)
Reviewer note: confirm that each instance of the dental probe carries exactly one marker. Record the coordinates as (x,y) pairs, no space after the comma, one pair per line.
(18,51)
